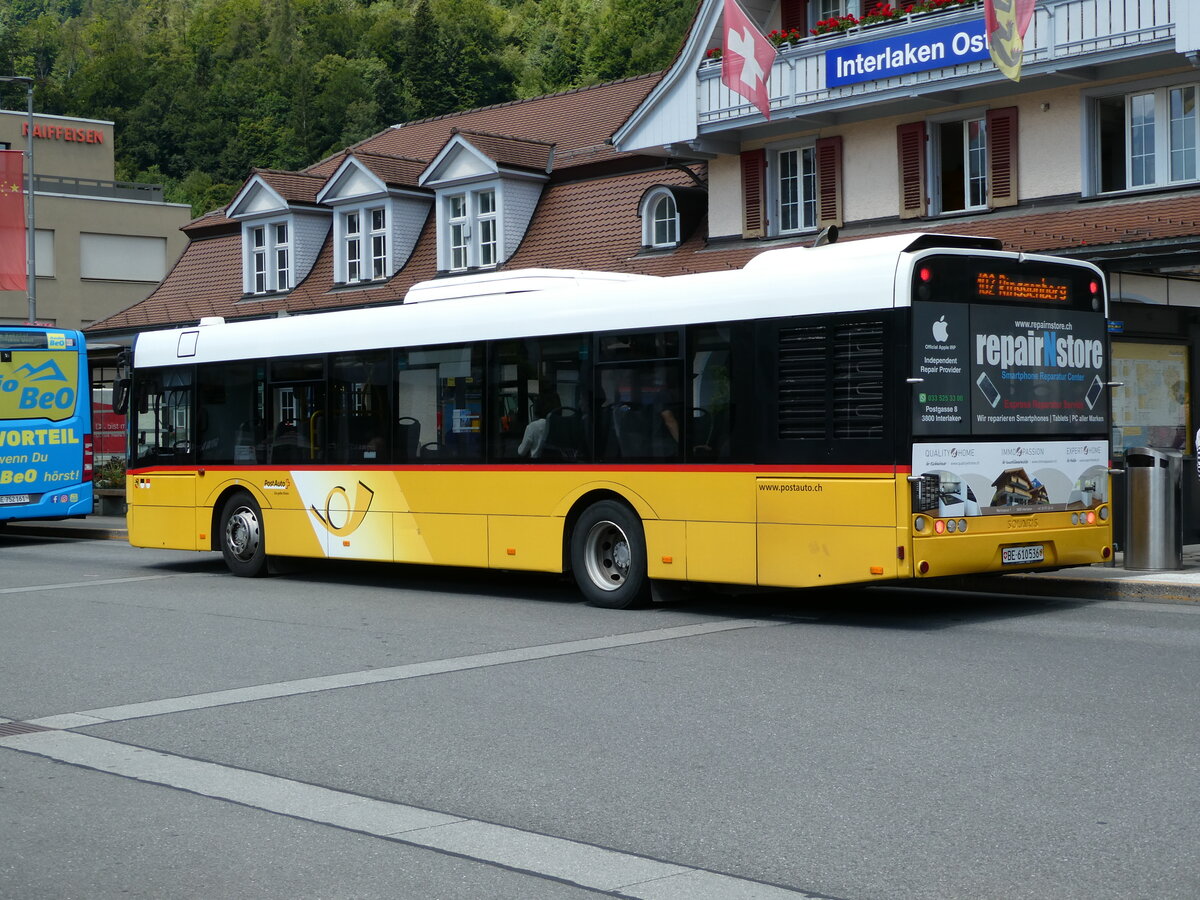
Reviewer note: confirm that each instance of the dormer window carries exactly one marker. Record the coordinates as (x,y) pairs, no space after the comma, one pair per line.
(670,214)
(269,252)
(472,230)
(362,240)
(660,220)
(487,188)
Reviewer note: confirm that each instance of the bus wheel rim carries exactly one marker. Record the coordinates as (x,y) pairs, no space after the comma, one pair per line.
(607,556)
(242,533)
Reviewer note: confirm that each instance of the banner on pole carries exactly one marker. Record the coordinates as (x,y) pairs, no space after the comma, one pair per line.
(13,257)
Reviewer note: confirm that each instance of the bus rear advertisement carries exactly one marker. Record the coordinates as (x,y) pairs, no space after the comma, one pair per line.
(45,424)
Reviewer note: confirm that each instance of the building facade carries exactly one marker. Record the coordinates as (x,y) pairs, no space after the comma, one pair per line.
(904,123)
(101,245)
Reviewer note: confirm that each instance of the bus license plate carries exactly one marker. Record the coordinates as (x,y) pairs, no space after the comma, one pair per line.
(13,498)
(1032,553)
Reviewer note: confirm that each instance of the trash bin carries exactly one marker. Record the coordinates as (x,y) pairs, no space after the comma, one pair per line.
(1153,521)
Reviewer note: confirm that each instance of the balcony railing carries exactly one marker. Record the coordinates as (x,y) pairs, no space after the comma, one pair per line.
(1062,33)
(95,187)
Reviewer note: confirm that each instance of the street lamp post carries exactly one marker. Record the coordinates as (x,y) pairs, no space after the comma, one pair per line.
(30,247)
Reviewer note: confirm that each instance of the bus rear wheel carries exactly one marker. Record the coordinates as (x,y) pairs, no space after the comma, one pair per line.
(241,533)
(608,556)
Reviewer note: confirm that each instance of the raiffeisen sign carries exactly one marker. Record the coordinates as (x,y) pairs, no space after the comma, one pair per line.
(936,48)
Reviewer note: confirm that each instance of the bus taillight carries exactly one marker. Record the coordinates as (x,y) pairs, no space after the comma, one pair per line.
(88,459)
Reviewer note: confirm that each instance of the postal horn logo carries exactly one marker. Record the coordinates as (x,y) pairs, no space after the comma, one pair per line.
(341,517)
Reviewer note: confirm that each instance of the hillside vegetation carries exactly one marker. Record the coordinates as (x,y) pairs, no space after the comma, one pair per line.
(202,90)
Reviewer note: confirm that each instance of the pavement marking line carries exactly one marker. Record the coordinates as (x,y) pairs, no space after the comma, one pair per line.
(77,584)
(586,865)
(163,707)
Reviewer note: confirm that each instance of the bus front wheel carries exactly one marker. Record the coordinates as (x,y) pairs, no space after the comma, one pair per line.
(242,536)
(608,556)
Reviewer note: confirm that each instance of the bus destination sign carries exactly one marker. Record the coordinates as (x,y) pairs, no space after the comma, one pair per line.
(1006,287)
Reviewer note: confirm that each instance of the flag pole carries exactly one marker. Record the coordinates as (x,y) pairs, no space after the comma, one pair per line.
(30,247)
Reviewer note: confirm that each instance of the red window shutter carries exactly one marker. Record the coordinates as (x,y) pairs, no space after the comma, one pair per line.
(1002,157)
(793,14)
(829,181)
(754,183)
(910,139)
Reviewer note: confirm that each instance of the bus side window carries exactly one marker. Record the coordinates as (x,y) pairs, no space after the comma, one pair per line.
(229,413)
(640,405)
(443,386)
(709,423)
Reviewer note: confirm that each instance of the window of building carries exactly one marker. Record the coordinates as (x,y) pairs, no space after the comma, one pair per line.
(114,257)
(362,243)
(660,219)
(378,243)
(796,189)
(268,257)
(958,165)
(472,230)
(959,168)
(799,189)
(1146,138)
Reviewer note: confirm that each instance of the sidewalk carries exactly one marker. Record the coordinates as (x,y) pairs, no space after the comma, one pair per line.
(1097,582)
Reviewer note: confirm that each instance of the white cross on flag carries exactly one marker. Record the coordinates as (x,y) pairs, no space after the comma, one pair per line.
(746,58)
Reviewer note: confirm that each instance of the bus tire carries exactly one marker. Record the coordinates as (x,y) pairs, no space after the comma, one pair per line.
(242,542)
(608,556)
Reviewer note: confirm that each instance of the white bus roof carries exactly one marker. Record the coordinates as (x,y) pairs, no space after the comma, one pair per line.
(835,278)
(514,281)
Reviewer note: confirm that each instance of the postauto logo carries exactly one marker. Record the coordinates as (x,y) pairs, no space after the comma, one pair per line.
(38,386)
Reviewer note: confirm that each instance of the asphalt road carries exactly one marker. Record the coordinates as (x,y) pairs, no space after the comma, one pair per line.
(351,731)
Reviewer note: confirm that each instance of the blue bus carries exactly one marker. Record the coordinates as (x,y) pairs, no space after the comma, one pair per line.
(45,424)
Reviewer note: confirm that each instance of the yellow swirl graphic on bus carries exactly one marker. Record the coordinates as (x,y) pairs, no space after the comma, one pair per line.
(337,505)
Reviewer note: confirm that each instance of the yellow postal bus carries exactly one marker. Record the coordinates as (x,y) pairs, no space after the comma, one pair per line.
(900,407)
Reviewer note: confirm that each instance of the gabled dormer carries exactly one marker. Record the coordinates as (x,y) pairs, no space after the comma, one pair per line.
(282,229)
(378,213)
(486,189)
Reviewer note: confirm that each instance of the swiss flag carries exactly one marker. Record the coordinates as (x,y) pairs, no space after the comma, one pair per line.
(746,58)
(12,222)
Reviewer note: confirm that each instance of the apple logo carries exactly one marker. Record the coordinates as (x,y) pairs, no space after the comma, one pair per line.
(941,330)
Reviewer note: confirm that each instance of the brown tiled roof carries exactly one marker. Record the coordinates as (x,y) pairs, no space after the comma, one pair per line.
(395,171)
(577,122)
(510,151)
(294,187)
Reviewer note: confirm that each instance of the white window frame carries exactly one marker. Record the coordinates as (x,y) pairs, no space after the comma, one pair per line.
(976,180)
(268,263)
(363,243)
(820,10)
(1160,151)
(471,232)
(660,220)
(793,190)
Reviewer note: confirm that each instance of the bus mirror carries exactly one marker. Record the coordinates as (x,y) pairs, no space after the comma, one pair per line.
(120,396)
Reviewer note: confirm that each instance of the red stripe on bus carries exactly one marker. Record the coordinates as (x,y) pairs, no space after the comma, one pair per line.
(798,470)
